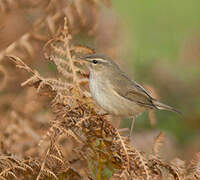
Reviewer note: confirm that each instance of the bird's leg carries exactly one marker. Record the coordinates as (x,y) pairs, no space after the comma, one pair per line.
(132,125)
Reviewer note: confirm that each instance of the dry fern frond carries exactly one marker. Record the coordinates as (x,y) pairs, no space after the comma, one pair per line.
(194,168)
(82,49)
(3,81)
(79,143)
(75,115)
(180,167)
(10,166)
(158,143)
(82,16)
(161,169)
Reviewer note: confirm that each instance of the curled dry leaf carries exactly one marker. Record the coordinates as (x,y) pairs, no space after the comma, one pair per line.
(158,143)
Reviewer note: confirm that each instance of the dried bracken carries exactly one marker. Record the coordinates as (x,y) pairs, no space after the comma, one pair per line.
(60,133)
(76,115)
(3,77)
(77,118)
(194,168)
(158,143)
(82,16)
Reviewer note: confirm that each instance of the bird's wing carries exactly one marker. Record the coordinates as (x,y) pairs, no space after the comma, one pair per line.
(132,91)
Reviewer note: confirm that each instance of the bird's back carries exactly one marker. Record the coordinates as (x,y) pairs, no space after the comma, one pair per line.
(107,96)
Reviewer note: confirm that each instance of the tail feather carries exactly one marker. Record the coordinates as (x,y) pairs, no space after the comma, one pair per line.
(162,106)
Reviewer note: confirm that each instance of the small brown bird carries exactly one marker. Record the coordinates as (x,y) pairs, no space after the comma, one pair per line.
(115,92)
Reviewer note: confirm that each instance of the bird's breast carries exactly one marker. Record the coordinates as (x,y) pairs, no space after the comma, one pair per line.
(98,88)
(104,94)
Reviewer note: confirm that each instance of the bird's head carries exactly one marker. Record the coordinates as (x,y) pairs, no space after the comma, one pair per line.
(98,62)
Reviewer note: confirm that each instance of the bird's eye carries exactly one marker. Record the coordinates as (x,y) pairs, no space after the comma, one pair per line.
(94,61)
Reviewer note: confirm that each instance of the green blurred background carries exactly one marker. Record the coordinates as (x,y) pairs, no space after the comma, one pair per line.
(164,52)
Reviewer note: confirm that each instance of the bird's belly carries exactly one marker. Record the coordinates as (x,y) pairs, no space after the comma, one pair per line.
(113,103)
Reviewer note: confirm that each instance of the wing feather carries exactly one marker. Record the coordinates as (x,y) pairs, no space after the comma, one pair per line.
(132,91)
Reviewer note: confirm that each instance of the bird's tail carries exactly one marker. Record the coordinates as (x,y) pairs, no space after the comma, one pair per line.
(162,106)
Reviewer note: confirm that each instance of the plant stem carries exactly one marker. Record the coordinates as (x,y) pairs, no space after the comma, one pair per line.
(99,167)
